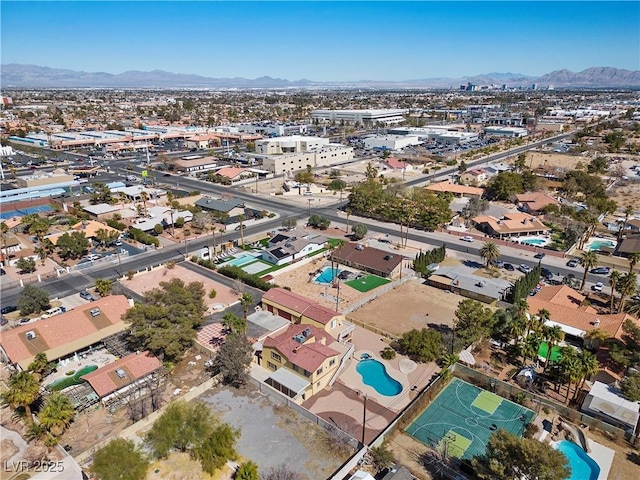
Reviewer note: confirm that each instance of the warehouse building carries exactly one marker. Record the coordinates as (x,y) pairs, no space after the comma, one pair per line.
(389,116)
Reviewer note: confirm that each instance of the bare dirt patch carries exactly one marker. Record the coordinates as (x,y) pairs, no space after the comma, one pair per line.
(408,452)
(551,160)
(628,194)
(411,305)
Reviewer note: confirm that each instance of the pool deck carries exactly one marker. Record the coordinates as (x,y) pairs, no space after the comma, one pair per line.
(603,456)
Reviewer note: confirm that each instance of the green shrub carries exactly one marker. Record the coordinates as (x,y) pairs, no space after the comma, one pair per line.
(388,353)
(251,280)
(113,223)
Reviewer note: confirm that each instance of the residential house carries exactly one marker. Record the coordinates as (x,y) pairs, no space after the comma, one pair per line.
(535,202)
(628,245)
(301,310)
(64,334)
(569,310)
(194,163)
(303,360)
(369,259)
(228,210)
(396,165)
(456,189)
(475,176)
(287,247)
(462,281)
(510,225)
(127,377)
(161,215)
(235,174)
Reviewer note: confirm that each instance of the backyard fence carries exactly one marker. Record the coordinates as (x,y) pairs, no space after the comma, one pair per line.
(378,292)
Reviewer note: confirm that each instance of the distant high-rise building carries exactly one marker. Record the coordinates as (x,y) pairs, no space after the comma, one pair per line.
(534,86)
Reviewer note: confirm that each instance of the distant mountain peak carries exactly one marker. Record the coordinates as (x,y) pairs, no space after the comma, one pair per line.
(34,76)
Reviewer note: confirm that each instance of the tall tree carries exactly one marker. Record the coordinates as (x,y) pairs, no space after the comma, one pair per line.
(165,322)
(120,459)
(628,211)
(23,390)
(553,335)
(233,360)
(33,300)
(614,280)
(489,253)
(359,231)
(56,414)
(246,301)
(508,457)
(634,258)
(588,260)
(627,286)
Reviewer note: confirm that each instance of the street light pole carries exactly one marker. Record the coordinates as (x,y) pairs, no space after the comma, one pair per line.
(310,200)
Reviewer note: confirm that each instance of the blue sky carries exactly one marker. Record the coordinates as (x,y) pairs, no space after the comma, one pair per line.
(321,40)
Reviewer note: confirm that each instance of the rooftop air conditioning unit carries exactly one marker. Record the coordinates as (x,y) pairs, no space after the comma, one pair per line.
(121,373)
(30,335)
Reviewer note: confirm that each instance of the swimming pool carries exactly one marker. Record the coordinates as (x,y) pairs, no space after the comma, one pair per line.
(327,275)
(583,467)
(599,244)
(535,241)
(375,375)
(243,259)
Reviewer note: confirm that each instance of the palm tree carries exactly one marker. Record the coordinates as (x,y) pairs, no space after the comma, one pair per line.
(490,252)
(241,218)
(530,347)
(553,335)
(570,369)
(3,233)
(632,306)
(614,280)
(57,413)
(588,260)
(627,212)
(594,338)
(628,285)
(246,301)
(144,197)
(588,365)
(348,212)
(634,258)
(22,392)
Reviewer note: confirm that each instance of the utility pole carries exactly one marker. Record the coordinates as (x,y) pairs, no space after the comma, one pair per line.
(310,200)
(364,418)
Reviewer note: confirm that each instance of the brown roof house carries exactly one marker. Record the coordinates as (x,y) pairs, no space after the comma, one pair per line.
(534,202)
(64,334)
(510,225)
(115,382)
(369,259)
(302,310)
(303,360)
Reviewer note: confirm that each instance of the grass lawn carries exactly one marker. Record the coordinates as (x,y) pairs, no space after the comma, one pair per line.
(367,283)
(544,348)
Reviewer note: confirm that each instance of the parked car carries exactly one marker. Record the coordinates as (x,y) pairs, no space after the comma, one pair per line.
(600,270)
(93,256)
(467,238)
(539,255)
(2,272)
(118,243)
(546,273)
(509,267)
(572,263)
(525,268)
(8,309)
(499,263)
(87,296)
(597,287)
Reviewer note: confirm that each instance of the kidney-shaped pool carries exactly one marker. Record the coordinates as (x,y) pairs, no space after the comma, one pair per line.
(375,375)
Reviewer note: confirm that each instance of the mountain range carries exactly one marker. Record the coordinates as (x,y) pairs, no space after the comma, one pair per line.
(15,75)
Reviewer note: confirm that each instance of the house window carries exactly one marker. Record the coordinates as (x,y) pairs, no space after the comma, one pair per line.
(272,366)
(307,374)
(319,371)
(276,357)
(332,362)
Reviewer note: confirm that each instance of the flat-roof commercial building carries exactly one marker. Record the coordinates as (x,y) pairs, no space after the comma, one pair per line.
(391,142)
(331,154)
(510,132)
(387,116)
(449,134)
(292,144)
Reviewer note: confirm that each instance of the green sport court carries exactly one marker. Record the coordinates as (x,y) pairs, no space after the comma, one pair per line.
(460,420)
(544,349)
(367,283)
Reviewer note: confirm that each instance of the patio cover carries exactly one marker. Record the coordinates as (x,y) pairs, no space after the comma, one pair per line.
(576,332)
(288,379)
(467,357)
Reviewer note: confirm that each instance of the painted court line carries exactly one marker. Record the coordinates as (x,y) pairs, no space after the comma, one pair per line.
(487,401)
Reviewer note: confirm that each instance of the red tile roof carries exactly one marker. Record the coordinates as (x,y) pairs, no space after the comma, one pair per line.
(310,355)
(65,333)
(564,305)
(231,172)
(455,188)
(536,200)
(301,305)
(395,163)
(105,380)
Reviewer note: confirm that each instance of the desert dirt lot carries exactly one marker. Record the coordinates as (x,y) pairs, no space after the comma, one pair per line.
(411,305)
(559,160)
(628,194)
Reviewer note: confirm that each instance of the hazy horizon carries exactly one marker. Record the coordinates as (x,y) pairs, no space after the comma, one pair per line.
(323,41)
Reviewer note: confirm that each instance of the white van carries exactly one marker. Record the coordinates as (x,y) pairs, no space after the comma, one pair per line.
(53,311)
